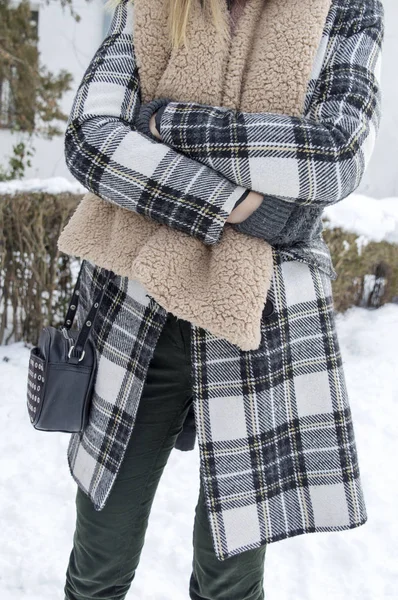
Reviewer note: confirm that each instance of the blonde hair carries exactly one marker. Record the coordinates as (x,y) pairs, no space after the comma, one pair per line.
(178,14)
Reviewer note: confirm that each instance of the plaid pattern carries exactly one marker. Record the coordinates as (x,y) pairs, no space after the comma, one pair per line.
(211,155)
(316,252)
(285,462)
(316,159)
(125,334)
(119,164)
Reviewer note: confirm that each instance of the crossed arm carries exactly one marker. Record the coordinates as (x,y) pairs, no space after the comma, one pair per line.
(315,160)
(107,154)
(193,178)
(246,205)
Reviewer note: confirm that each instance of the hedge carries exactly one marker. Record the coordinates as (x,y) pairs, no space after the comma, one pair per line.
(36,279)
(367,271)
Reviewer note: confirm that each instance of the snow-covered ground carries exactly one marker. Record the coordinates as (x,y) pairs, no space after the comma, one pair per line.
(37,494)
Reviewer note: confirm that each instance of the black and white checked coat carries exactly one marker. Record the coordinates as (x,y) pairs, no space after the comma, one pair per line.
(277,448)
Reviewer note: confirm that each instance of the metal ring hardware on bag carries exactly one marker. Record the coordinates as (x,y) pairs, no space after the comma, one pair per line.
(76,352)
(62,369)
(70,353)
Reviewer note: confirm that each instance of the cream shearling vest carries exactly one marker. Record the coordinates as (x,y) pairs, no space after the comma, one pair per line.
(263,66)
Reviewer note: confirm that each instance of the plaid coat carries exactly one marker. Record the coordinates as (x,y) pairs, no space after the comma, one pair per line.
(285,463)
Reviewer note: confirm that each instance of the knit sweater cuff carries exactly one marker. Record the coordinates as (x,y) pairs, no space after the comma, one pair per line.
(268,220)
(145,114)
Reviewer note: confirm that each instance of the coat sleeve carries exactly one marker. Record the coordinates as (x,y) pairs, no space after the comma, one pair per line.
(317,159)
(106,153)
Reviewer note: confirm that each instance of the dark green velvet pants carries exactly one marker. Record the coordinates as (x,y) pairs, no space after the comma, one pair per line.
(107,544)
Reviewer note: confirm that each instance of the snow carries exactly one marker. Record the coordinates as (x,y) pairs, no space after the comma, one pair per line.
(37,496)
(52,185)
(375,220)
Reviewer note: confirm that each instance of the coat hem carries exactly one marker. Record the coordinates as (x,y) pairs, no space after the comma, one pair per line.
(294,533)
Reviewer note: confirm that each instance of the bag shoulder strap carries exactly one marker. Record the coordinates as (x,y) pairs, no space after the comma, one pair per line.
(78,348)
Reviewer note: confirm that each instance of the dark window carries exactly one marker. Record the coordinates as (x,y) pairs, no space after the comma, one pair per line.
(34,20)
(9,82)
(7,111)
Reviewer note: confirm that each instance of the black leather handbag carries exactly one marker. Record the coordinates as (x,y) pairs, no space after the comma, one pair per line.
(62,369)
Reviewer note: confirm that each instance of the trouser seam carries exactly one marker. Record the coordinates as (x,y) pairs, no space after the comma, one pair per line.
(145,488)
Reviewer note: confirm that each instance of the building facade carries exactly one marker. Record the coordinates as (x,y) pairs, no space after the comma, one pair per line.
(67,44)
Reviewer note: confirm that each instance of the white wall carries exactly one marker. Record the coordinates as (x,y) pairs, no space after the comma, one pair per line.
(381,178)
(63,44)
(70,45)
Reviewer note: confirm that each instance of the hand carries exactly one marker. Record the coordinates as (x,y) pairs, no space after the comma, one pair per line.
(245,208)
(152,127)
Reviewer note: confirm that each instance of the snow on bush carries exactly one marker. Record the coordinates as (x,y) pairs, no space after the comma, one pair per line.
(53,185)
(375,220)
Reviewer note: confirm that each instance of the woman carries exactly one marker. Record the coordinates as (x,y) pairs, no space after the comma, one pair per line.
(276,441)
